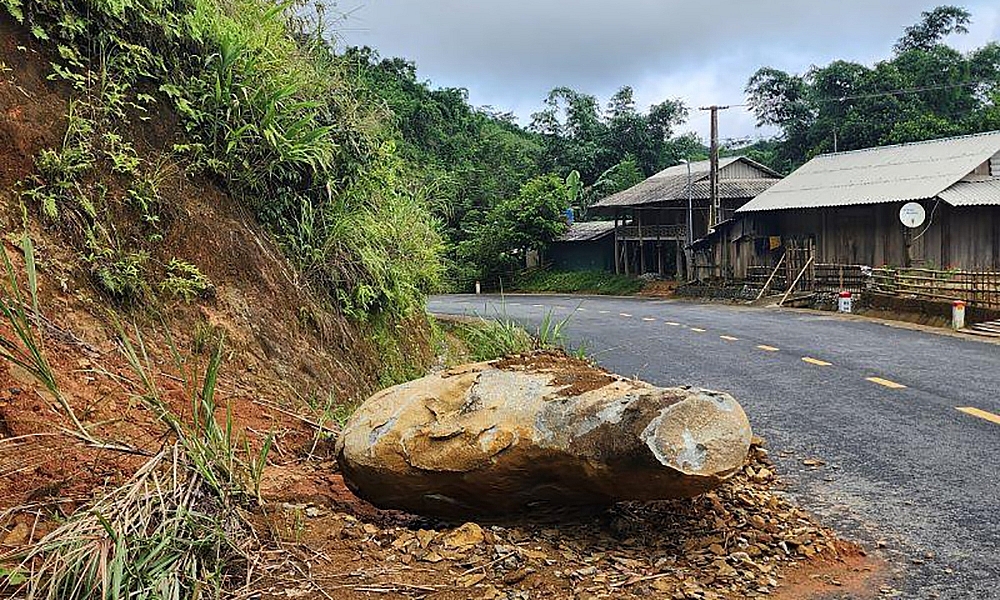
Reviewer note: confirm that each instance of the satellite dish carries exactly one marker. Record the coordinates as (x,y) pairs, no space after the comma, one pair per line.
(912,215)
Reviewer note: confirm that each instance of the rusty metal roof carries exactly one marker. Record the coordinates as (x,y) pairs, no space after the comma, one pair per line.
(587,231)
(671,184)
(900,173)
(732,188)
(973,193)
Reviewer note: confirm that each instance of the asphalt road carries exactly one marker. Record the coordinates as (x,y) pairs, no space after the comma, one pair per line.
(905,470)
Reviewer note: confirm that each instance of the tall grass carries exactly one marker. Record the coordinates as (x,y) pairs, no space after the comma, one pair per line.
(24,347)
(163,535)
(549,333)
(177,528)
(489,339)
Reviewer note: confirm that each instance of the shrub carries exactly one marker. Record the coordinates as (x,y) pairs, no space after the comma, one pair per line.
(185,280)
(584,282)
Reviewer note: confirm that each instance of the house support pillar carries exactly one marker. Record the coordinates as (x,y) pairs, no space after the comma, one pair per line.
(680,260)
(617,251)
(642,245)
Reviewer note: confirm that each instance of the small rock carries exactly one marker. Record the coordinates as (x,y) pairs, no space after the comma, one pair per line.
(466,536)
(425,537)
(471,580)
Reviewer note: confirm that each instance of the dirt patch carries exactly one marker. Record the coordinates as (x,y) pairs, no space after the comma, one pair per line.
(852,574)
(32,109)
(572,375)
(658,289)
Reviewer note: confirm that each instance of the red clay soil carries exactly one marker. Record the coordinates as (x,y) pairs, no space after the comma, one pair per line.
(573,375)
(853,574)
(658,289)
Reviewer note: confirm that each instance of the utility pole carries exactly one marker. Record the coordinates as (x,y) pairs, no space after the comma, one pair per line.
(714,207)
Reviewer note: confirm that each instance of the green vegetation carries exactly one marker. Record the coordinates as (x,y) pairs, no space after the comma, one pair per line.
(185,280)
(487,178)
(925,90)
(490,339)
(268,108)
(583,282)
(529,221)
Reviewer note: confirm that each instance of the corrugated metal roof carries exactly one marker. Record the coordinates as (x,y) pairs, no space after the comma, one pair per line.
(973,193)
(904,172)
(671,183)
(733,188)
(587,231)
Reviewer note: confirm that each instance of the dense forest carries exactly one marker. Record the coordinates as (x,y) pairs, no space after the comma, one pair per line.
(492,182)
(499,188)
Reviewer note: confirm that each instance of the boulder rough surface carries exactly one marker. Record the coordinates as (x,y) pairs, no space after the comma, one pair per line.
(540,435)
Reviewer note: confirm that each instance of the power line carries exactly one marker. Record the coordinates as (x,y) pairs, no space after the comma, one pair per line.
(917,90)
(897,92)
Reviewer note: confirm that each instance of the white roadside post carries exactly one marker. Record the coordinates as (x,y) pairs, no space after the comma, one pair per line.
(845,302)
(479,288)
(958,314)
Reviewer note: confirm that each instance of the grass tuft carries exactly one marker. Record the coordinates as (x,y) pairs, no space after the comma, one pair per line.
(24,346)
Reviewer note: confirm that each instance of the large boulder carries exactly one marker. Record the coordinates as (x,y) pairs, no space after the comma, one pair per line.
(537,436)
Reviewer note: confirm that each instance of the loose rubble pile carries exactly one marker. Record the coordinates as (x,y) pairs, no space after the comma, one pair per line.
(738,541)
(538,436)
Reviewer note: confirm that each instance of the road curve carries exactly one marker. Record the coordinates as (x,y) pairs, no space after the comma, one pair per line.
(907,421)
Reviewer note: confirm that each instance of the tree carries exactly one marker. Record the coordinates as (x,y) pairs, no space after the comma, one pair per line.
(529,221)
(933,27)
(925,90)
(619,177)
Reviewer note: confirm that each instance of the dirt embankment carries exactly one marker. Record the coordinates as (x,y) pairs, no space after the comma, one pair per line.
(288,357)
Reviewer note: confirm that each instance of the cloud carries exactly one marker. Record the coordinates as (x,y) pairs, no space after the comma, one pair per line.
(510,53)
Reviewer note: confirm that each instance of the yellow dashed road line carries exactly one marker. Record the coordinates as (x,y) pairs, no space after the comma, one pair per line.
(768,348)
(982,414)
(729,338)
(816,361)
(698,330)
(885,382)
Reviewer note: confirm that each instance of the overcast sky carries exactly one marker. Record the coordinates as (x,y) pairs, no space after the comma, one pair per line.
(510,53)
